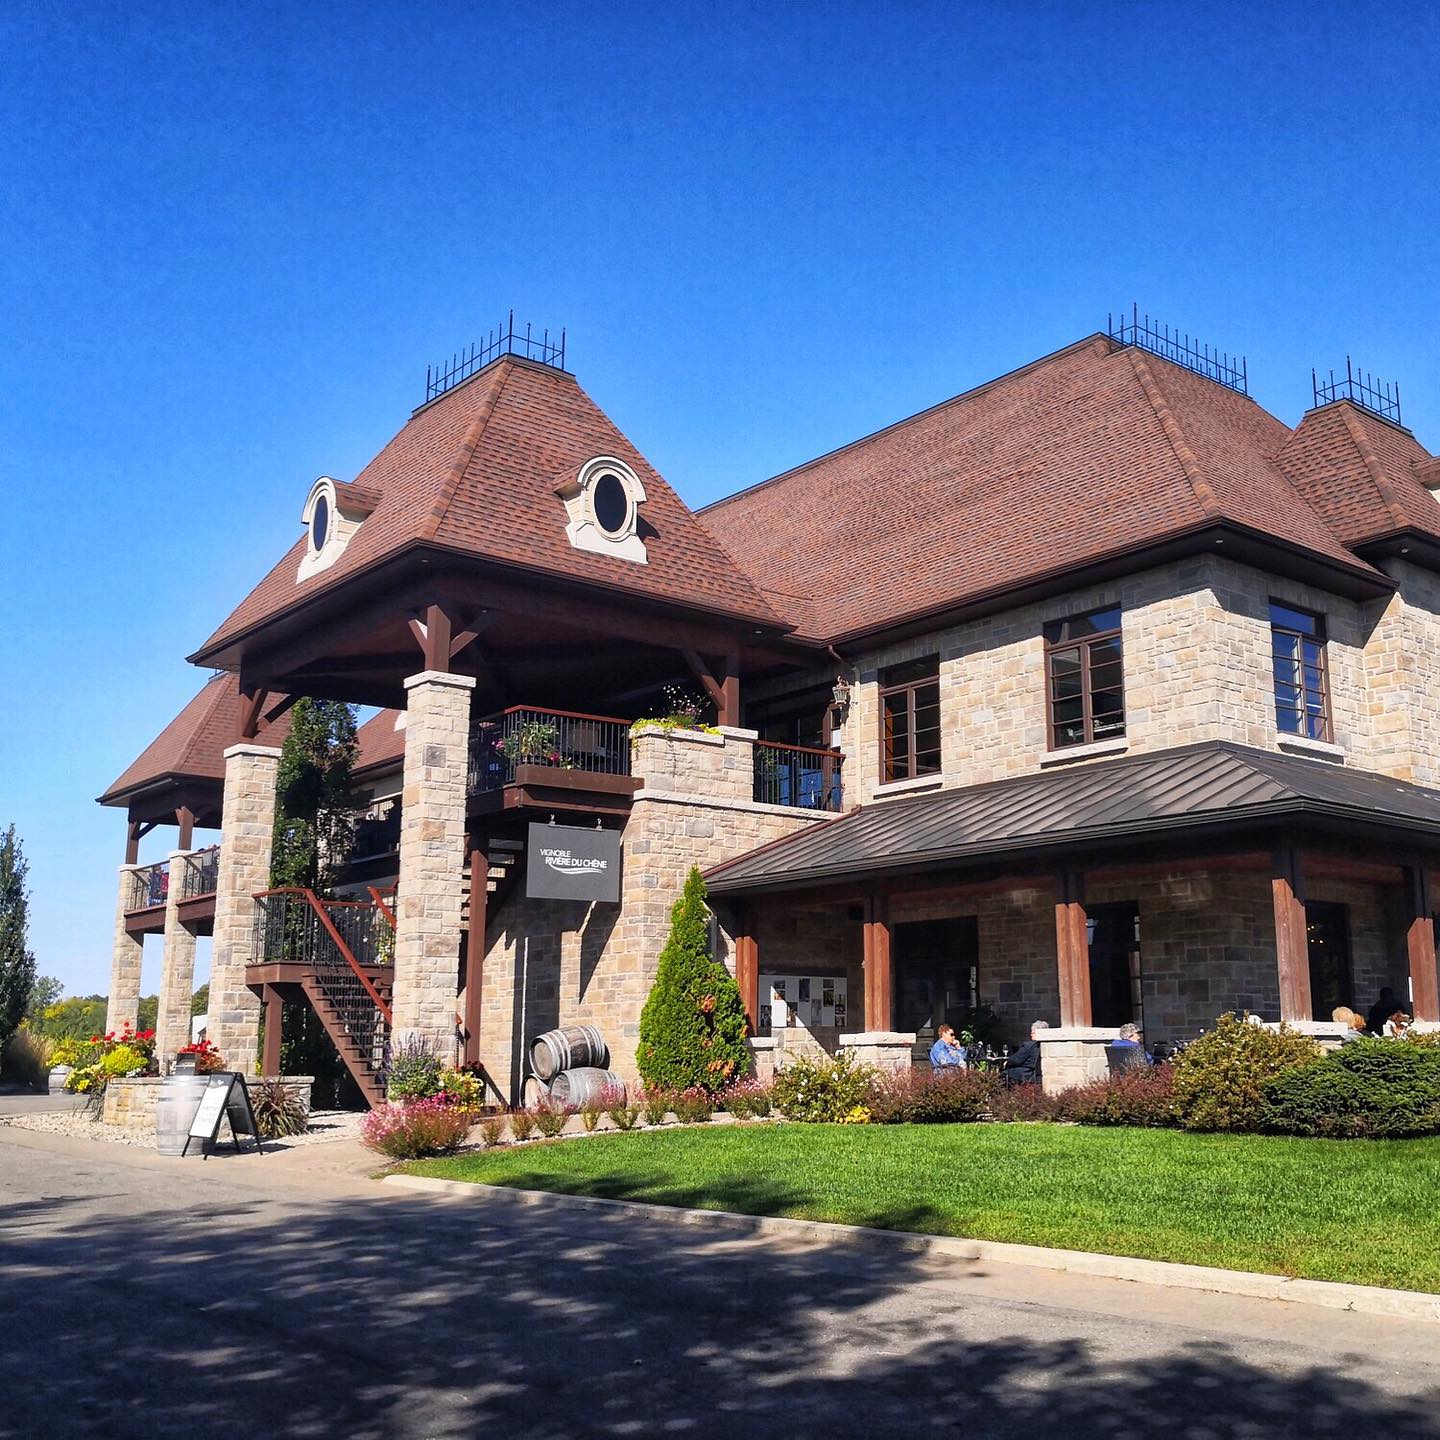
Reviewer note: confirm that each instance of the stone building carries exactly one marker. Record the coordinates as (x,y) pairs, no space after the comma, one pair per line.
(1094,694)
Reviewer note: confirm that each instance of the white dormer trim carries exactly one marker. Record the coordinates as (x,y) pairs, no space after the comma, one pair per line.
(585,530)
(339,525)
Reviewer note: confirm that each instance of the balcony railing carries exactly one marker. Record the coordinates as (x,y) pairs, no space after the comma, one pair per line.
(149,886)
(377,835)
(200,874)
(520,738)
(800,776)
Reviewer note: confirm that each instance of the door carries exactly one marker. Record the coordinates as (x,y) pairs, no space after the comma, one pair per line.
(936,969)
(1327,937)
(1115,990)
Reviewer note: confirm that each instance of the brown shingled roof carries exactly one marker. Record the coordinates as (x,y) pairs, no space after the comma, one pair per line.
(476,470)
(1366,476)
(380,740)
(193,744)
(1091,452)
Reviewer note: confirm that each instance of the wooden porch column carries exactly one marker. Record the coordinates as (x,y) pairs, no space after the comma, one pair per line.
(185,819)
(1292,947)
(728,673)
(879,1012)
(475,949)
(1072,949)
(747,966)
(1420,944)
(274,1030)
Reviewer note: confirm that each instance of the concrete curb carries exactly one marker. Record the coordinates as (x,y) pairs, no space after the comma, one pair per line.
(1329,1294)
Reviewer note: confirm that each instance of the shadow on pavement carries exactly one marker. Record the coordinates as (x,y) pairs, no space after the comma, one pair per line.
(410,1316)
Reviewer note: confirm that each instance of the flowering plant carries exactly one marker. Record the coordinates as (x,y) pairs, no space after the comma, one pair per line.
(423,1127)
(207,1058)
(461,1089)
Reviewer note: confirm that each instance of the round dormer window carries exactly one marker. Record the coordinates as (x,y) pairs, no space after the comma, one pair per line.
(319,525)
(611,501)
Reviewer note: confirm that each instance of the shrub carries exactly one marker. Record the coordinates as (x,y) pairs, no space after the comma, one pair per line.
(1011,1103)
(748,1099)
(123,1060)
(821,1090)
(414,1072)
(692,1106)
(590,1114)
(408,1132)
(1367,1089)
(1136,1097)
(522,1124)
(922,1096)
(550,1117)
(623,1112)
(279,1110)
(492,1130)
(693,1027)
(461,1088)
(26,1059)
(1220,1078)
(655,1105)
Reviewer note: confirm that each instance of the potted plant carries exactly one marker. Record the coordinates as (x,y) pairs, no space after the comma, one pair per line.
(531,742)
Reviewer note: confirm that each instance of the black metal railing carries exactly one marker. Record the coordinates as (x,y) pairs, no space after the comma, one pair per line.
(200,874)
(503,340)
(149,886)
(1380,398)
(800,776)
(377,835)
(1145,334)
(521,736)
(333,939)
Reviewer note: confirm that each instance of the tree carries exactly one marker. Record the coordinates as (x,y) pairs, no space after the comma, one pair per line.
(17,964)
(200,1001)
(692,1029)
(314,816)
(46,990)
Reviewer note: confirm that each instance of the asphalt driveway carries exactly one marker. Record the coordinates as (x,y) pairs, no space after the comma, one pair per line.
(148,1298)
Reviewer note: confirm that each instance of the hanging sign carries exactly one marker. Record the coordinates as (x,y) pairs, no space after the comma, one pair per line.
(226,1097)
(564,862)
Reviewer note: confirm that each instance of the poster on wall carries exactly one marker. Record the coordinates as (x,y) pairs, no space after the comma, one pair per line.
(812,1001)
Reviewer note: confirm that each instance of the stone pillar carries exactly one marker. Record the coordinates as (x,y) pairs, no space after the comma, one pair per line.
(177,972)
(885,1049)
(1072,1055)
(429,897)
(125,957)
(246,830)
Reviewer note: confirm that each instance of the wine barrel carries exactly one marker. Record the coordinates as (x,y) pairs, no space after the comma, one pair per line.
(572,1047)
(175,1110)
(586,1085)
(533,1092)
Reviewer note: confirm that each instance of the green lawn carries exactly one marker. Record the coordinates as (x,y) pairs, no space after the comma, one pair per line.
(1361,1211)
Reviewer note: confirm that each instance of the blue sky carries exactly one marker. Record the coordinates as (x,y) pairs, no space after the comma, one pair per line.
(234,236)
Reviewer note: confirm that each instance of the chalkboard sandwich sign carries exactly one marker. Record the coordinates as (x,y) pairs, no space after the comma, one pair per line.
(226,1096)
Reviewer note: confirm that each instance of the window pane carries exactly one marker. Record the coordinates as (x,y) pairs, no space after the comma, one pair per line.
(1106,652)
(1106,677)
(1077,627)
(1295,620)
(1064,674)
(911,671)
(1069,721)
(1285,645)
(897,736)
(1107,710)
(1287,718)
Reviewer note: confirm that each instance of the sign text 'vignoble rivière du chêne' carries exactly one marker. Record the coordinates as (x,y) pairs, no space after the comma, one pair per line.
(564,862)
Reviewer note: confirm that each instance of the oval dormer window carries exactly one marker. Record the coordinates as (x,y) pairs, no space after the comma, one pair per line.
(319,525)
(612,504)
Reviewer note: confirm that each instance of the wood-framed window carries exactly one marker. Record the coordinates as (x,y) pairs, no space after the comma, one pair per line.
(1302,680)
(910,720)
(1085,678)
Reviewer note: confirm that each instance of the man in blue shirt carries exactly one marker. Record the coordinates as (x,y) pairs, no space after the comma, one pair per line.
(947,1053)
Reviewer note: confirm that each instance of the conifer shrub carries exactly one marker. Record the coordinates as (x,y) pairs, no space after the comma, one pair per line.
(693,1028)
(1220,1078)
(1369,1089)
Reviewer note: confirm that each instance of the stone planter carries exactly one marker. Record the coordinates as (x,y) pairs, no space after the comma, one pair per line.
(58,1076)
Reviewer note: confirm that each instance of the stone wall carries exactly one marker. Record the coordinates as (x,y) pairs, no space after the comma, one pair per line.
(550,963)
(1197,667)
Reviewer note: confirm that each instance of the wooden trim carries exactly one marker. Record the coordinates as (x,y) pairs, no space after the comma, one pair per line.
(910,688)
(596,782)
(551,710)
(185,819)
(1420,944)
(1072,949)
(1087,711)
(250,712)
(879,1012)
(274,1030)
(747,966)
(475,951)
(1322,638)
(132,841)
(1292,949)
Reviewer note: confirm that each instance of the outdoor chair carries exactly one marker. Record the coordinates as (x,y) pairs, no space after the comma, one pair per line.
(1125,1057)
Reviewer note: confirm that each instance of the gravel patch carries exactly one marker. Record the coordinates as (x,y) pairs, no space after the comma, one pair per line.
(325,1126)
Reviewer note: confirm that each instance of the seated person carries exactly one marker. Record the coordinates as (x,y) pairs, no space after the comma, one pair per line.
(1125,1051)
(1354,1024)
(1381,1011)
(1397,1025)
(1023,1067)
(947,1053)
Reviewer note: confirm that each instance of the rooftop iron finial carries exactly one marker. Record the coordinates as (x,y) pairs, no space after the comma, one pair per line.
(1362,388)
(503,340)
(1216,365)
